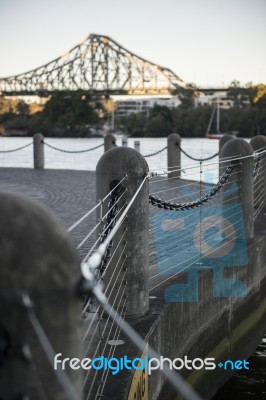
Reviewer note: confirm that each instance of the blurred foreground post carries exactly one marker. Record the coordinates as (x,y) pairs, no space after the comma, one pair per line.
(38,260)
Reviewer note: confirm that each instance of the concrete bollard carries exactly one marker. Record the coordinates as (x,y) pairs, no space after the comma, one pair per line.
(174,155)
(242,176)
(113,166)
(37,257)
(38,151)
(109,142)
(124,141)
(258,143)
(137,145)
(222,142)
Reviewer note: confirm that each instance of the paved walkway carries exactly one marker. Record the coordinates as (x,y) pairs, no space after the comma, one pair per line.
(69,194)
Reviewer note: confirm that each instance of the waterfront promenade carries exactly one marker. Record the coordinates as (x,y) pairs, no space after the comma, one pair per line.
(69,194)
(201,319)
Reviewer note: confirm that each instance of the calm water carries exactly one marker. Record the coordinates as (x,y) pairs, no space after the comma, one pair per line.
(241,387)
(88,161)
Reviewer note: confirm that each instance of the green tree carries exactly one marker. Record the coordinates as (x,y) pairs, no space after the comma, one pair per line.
(187,95)
(70,112)
(22,108)
(134,124)
(160,121)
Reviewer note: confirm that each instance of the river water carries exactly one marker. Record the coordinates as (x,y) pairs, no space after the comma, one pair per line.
(88,161)
(243,386)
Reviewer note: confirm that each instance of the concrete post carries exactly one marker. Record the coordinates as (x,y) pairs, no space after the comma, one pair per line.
(38,151)
(137,145)
(240,184)
(222,142)
(37,257)
(113,166)
(124,141)
(109,142)
(174,155)
(258,143)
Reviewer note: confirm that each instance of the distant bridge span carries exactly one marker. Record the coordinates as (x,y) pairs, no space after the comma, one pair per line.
(98,64)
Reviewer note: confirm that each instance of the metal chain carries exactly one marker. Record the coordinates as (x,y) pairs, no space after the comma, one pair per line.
(155,201)
(157,152)
(197,159)
(110,222)
(19,148)
(72,151)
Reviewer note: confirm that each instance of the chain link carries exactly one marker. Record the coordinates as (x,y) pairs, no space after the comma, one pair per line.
(71,151)
(110,222)
(19,148)
(155,201)
(197,159)
(157,152)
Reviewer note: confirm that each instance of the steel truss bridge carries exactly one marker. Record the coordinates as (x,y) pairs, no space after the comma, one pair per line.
(98,64)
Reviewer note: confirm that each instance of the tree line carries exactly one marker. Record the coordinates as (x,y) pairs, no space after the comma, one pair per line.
(65,114)
(247,115)
(79,114)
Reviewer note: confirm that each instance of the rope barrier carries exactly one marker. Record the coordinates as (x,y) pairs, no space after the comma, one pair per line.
(72,151)
(17,149)
(155,201)
(156,152)
(197,159)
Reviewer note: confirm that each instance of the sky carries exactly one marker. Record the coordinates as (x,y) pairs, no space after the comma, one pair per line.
(206,42)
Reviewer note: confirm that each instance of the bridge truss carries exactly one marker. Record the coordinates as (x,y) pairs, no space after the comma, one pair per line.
(98,64)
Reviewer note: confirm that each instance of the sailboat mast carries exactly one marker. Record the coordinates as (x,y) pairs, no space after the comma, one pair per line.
(218,116)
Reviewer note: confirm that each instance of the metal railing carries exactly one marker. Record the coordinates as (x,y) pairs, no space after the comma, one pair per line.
(211,218)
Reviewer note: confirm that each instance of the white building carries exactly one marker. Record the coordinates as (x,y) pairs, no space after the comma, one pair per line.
(209,98)
(136,104)
(212,97)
